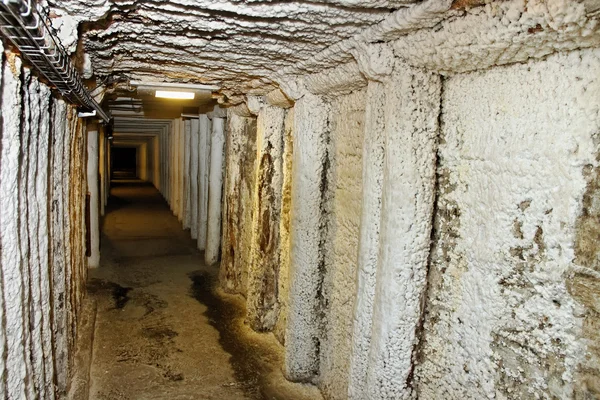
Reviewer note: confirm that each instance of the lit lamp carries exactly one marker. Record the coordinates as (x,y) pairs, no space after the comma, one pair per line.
(169,94)
(177,91)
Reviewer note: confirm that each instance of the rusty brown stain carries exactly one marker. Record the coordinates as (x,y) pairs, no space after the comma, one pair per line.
(584,284)
(238,218)
(464,4)
(265,199)
(535,29)
(268,228)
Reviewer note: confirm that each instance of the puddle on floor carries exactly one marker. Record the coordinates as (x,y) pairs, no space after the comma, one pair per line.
(119,293)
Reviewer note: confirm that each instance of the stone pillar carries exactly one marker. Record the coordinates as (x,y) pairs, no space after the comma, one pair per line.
(204,157)
(373,156)
(376,63)
(102,169)
(108,169)
(176,167)
(262,305)
(412,105)
(180,169)
(162,149)
(215,186)
(92,187)
(194,163)
(238,190)
(165,146)
(156,166)
(42,197)
(186,174)
(309,180)
(173,160)
(283,284)
(13,361)
(167,162)
(142,161)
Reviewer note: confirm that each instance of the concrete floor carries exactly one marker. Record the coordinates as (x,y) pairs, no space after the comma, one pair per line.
(162,331)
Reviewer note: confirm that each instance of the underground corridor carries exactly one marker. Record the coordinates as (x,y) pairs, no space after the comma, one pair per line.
(160,330)
(300,200)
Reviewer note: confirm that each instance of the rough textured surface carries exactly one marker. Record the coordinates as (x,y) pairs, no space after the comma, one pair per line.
(92,187)
(194,164)
(43,264)
(237,202)
(464,272)
(263,274)
(347,128)
(224,42)
(14,368)
(368,247)
(181,171)
(336,81)
(203,169)
(516,145)
(304,331)
(187,206)
(411,112)
(283,289)
(501,33)
(215,190)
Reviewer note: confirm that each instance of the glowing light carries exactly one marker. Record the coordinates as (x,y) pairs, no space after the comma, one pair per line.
(168,94)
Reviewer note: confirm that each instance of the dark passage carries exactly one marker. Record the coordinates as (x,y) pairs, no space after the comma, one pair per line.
(124,162)
(162,330)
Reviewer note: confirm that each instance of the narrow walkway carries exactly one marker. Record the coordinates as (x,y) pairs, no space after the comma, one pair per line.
(160,331)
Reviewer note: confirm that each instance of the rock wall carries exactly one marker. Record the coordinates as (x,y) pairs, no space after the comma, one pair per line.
(263,274)
(42,235)
(240,151)
(410,207)
(437,234)
(256,212)
(347,130)
(510,291)
(283,284)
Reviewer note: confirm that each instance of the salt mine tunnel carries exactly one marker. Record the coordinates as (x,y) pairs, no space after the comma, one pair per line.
(303,200)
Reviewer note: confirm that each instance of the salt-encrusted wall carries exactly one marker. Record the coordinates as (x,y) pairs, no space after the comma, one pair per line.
(240,151)
(42,233)
(510,308)
(345,185)
(283,286)
(440,232)
(256,212)
(263,273)
(410,212)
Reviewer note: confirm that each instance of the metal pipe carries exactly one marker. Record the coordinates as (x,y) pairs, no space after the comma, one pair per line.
(25,27)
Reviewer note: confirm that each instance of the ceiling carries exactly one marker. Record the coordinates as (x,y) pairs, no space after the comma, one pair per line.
(230,43)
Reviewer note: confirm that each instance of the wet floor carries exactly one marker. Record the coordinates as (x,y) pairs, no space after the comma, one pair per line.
(162,331)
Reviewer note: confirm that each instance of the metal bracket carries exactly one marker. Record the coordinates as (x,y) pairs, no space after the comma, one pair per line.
(25,27)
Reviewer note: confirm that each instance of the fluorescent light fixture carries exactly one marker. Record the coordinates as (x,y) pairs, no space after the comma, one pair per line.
(86,114)
(173,85)
(169,94)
